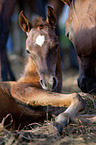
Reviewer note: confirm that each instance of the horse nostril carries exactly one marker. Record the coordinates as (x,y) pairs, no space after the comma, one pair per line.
(78,82)
(54,82)
(82,83)
(84,80)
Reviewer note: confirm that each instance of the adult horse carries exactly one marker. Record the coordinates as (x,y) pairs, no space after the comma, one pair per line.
(81,28)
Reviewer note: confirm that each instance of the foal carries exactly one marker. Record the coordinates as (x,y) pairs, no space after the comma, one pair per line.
(44,65)
(25,99)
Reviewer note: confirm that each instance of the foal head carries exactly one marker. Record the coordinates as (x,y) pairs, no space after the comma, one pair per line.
(42,46)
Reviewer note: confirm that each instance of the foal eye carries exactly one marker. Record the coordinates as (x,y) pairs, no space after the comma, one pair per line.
(28,51)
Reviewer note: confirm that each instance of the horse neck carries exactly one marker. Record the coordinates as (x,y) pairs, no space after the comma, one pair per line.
(30,74)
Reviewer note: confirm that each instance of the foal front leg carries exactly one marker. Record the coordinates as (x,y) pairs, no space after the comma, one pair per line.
(38,97)
(77,104)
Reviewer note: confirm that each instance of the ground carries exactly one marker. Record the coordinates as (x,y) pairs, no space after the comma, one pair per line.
(77,132)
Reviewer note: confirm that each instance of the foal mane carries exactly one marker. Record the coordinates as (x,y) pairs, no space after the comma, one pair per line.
(39,22)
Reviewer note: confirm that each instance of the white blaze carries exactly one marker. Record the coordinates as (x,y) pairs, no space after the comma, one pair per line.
(40,40)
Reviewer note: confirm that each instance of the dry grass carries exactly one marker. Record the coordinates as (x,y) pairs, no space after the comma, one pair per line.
(76,132)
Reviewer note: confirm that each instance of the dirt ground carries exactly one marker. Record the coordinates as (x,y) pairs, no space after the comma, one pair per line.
(77,132)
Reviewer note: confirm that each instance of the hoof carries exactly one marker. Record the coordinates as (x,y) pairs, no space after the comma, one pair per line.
(59,127)
(61,121)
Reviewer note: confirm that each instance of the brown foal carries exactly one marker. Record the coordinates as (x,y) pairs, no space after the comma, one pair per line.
(40,85)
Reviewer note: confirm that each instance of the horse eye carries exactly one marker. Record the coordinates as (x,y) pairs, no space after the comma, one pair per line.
(67,35)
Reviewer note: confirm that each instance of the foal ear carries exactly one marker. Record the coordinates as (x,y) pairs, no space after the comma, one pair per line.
(23,22)
(51,16)
(67,2)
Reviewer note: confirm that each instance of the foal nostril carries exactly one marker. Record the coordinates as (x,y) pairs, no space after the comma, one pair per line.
(49,83)
(43,83)
(54,82)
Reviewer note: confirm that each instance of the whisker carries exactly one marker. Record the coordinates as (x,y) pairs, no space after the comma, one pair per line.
(92,90)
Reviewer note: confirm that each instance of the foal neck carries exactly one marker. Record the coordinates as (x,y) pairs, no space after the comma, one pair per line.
(30,74)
